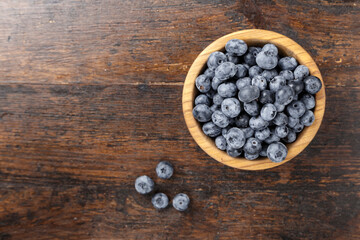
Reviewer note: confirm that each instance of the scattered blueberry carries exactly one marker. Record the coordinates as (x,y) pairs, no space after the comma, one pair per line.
(227,89)
(301,72)
(242,70)
(235,138)
(268,112)
(252,108)
(144,185)
(262,134)
(220,142)
(202,99)
(203,83)
(252,146)
(266,96)
(242,121)
(288,63)
(164,170)
(277,83)
(260,82)
(211,130)
(243,82)
(225,71)
(312,84)
(308,100)
(254,71)
(215,59)
(181,202)
(160,201)
(231,107)
(296,109)
(202,113)
(220,119)
(236,47)
(281,119)
(308,118)
(248,93)
(258,123)
(277,152)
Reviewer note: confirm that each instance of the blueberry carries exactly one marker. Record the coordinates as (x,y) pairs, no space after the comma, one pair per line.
(296,109)
(215,83)
(277,152)
(220,142)
(279,107)
(277,83)
(250,57)
(254,71)
(160,201)
(202,99)
(232,152)
(266,60)
(308,118)
(202,113)
(248,93)
(268,112)
(211,93)
(312,84)
(287,74)
(248,132)
(266,96)
(271,48)
(272,138)
(252,146)
(225,71)
(258,123)
(281,131)
(269,74)
(219,119)
(243,82)
(144,185)
(297,85)
(215,59)
(236,47)
(263,152)
(260,82)
(281,119)
(211,130)
(251,157)
(301,72)
(242,121)
(262,134)
(308,100)
(241,70)
(225,130)
(227,89)
(292,122)
(291,137)
(235,138)
(217,99)
(214,108)
(203,83)
(298,127)
(231,107)
(287,63)
(285,95)
(209,73)
(181,202)
(164,170)
(252,108)
(232,58)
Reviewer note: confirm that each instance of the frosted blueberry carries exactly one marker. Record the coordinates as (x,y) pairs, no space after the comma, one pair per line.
(281,131)
(164,170)
(258,123)
(227,89)
(260,82)
(277,83)
(236,47)
(232,152)
(262,134)
(248,132)
(285,95)
(269,74)
(220,142)
(231,107)
(298,127)
(241,71)
(219,119)
(297,85)
(225,71)
(215,83)
(268,112)
(308,118)
(291,137)
(277,152)
(287,63)
(254,71)
(160,201)
(266,59)
(287,74)
(202,99)
(181,202)
(251,157)
(249,58)
(235,138)
(209,73)
(202,113)
(296,109)
(232,58)
(243,82)
(248,93)
(211,130)
(301,72)
(252,108)
(292,122)
(308,100)
(215,59)
(312,84)
(252,146)
(203,83)
(281,119)
(144,185)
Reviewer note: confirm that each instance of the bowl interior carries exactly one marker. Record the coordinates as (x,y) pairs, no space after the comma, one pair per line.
(254,37)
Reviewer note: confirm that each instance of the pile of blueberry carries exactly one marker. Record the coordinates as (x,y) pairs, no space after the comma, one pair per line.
(252,101)
(145,185)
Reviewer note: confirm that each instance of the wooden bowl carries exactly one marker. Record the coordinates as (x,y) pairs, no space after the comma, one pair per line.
(253,37)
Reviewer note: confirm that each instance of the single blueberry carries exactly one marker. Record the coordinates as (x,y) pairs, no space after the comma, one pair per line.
(266,60)
(225,71)
(217,99)
(308,100)
(160,201)
(281,119)
(298,127)
(312,84)
(254,71)
(242,121)
(236,47)
(231,107)
(252,108)
(232,152)
(144,185)
(202,99)
(268,112)
(281,131)
(292,122)
(209,73)
(215,59)
(301,72)
(214,108)
(277,152)
(203,83)
(241,70)
(248,93)
(252,146)
(271,48)
(219,119)
(249,58)
(272,138)
(296,109)
(291,137)
(215,83)
(287,63)
(235,138)
(251,157)
(262,134)
(263,152)
(285,95)
(258,123)
(164,170)
(279,107)
(277,83)
(308,118)
(287,74)
(248,132)
(211,130)
(266,96)
(220,142)
(243,82)
(181,202)
(227,89)
(202,113)
(297,85)
(260,82)
(232,58)
(269,74)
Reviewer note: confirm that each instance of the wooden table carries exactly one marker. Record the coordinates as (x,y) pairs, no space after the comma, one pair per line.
(90,98)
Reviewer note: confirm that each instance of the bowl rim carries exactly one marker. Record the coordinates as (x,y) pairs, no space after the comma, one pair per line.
(253,37)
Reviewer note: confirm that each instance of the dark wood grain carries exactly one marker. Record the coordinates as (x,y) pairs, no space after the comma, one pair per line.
(90,98)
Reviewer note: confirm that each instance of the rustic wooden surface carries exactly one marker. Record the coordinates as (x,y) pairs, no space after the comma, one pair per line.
(90,98)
